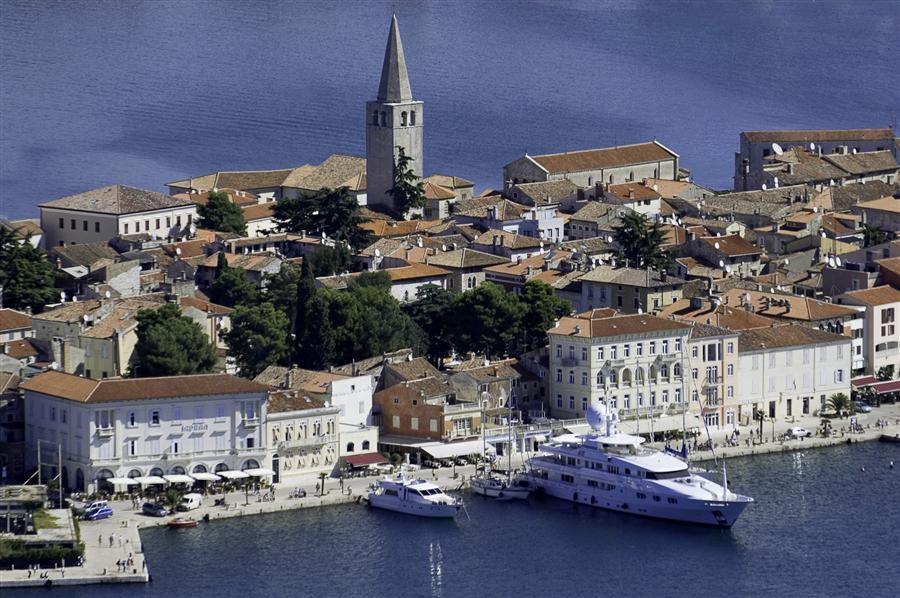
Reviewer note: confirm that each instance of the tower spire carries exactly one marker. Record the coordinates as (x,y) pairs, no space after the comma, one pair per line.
(394,85)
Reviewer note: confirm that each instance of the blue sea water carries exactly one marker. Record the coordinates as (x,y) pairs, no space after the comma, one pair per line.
(821,527)
(100,91)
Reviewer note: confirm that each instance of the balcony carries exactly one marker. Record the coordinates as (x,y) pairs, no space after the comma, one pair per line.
(251,422)
(712,381)
(307,442)
(569,362)
(105,432)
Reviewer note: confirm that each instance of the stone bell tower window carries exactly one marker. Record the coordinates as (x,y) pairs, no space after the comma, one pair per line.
(412,118)
(403,119)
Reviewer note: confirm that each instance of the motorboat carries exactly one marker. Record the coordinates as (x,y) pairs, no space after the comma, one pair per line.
(413,497)
(610,470)
(499,488)
(180,522)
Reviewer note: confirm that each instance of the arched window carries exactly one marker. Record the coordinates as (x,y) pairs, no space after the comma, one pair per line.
(610,179)
(403,119)
(676,370)
(375,117)
(599,378)
(350,447)
(639,376)
(412,118)
(590,181)
(631,176)
(104,474)
(626,377)
(366,442)
(199,469)
(383,118)
(406,295)
(156,471)
(220,467)
(653,373)
(177,470)
(664,371)
(134,473)
(613,377)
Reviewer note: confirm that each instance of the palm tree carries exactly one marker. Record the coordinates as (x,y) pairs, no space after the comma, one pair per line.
(840,404)
(172,499)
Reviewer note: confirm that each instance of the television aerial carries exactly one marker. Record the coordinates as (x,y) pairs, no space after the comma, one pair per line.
(777,149)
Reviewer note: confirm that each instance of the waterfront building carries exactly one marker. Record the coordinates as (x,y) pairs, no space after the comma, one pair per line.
(394,119)
(635,362)
(99,215)
(880,342)
(12,429)
(757,146)
(630,290)
(713,362)
(791,370)
(118,428)
(585,168)
(303,435)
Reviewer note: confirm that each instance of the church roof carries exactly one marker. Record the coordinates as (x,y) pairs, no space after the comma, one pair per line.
(394,85)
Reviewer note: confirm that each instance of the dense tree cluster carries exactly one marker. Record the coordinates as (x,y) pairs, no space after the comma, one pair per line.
(486,319)
(333,212)
(26,276)
(407,191)
(221,214)
(170,344)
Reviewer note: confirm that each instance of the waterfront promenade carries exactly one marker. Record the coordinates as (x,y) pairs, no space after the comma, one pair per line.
(101,555)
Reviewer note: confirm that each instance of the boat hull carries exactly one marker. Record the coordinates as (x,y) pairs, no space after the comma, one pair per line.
(500,492)
(721,514)
(390,503)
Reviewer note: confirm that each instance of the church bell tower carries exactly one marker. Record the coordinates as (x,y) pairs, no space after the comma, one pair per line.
(393,119)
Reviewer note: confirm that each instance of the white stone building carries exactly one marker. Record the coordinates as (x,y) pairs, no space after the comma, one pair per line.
(102,214)
(880,339)
(303,435)
(130,428)
(791,370)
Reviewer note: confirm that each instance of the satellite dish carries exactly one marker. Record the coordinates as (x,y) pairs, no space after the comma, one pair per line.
(815,209)
(812,146)
(728,269)
(443,247)
(837,261)
(54,365)
(764,187)
(640,310)
(178,251)
(786,262)
(107,294)
(193,229)
(377,252)
(776,182)
(609,238)
(85,318)
(62,296)
(717,245)
(721,263)
(542,245)
(777,149)
(831,262)
(854,150)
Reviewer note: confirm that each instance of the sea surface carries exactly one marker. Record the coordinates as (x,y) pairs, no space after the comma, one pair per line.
(821,526)
(144,92)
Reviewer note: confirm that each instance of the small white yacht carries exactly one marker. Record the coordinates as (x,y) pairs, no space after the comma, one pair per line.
(494,487)
(613,471)
(413,497)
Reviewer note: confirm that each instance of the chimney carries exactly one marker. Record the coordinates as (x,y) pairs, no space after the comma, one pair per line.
(290,378)
(790,168)
(631,194)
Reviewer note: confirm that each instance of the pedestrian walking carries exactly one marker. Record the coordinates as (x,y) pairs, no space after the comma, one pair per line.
(111,540)
(100,540)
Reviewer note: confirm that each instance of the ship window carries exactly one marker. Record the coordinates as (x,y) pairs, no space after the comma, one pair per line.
(655,499)
(627,471)
(641,495)
(592,483)
(672,501)
(390,492)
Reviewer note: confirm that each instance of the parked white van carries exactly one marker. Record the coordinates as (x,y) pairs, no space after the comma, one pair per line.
(189,502)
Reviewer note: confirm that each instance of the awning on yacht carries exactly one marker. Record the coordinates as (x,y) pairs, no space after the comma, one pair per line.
(538,438)
(257,472)
(205,477)
(122,481)
(232,474)
(365,460)
(445,450)
(149,479)
(179,478)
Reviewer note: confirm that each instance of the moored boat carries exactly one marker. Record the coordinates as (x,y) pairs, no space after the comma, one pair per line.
(498,488)
(413,497)
(180,522)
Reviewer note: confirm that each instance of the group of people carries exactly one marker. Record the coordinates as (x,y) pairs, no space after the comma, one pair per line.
(124,565)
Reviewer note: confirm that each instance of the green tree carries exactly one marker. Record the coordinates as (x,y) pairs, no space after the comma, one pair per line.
(280,289)
(639,243)
(432,311)
(840,404)
(170,344)
(334,212)
(542,309)
(872,235)
(407,191)
(221,214)
(885,372)
(306,290)
(258,338)
(232,287)
(488,320)
(319,339)
(328,261)
(26,277)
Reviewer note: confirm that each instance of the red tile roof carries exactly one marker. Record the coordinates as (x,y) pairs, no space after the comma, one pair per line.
(610,157)
(11,319)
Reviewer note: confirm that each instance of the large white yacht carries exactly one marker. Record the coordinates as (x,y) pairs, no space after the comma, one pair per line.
(414,497)
(613,471)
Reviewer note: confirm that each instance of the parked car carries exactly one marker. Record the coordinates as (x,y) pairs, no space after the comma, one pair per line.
(97,504)
(799,432)
(191,501)
(862,407)
(101,513)
(154,510)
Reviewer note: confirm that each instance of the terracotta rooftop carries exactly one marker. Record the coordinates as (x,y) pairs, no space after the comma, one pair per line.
(481,207)
(723,316)
(11,319)
(610,157)
(414,272)
(287,401)
(792,307)
(606,214)
(788,335)
(635,277)
(252,261)
(85,390)
(116,199)
(398,228)
(635,191)
(465,258)
(882,295)
(259,211)
(414,369)
(820,135)
(449,181)
(732,245)
(235,179)
(885,204)
(619,325)
(436,192)
(20,349)
(503,238)
(543,192)
(863,162)
(338,170)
